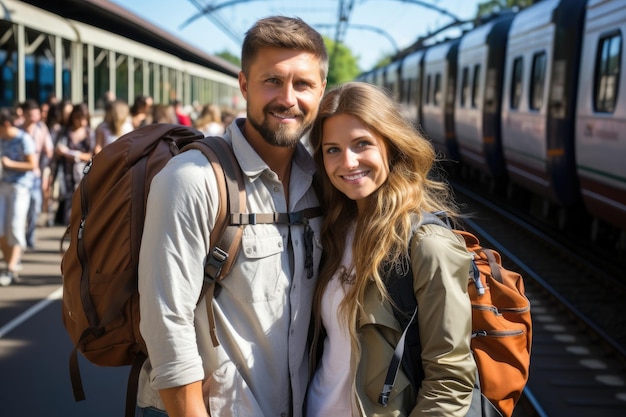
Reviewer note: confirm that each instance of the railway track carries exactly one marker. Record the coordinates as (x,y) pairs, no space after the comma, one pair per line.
(578,359)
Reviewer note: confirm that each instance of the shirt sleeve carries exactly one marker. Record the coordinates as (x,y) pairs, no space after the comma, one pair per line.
(171,268)
(441,265)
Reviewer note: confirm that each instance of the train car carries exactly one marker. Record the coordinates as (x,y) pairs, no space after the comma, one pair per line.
(601,112)
(411,83)
(391,79)
(438,92)
(82,50)
(478,100)
(539,95)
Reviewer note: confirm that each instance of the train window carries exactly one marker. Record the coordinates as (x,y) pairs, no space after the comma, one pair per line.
(175,91)
(152,89)
(538,79)
(138,78)
(86,93)
(8,65)
(66,70)
(476,85)
(437,90)
(101,76)
(607,73)
(464,87)
(164,86)
(516,83)
(121,77)
(39,65)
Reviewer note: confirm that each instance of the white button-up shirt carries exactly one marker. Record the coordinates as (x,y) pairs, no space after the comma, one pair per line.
(263,309)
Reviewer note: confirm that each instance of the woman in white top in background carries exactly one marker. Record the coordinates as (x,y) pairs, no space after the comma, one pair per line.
(210,121)
(116,123)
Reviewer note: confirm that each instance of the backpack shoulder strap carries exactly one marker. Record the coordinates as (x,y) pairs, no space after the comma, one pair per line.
(400,289)
(225,238)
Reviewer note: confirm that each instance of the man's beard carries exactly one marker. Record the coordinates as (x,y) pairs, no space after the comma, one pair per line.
(283,135)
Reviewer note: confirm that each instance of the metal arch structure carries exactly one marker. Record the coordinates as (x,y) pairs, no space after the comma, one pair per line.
(207,10)
(433,7)
(369,28)
(344,11)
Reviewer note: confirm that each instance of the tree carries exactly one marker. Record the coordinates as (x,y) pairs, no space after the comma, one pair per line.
(228,56)
(490,6)
(343,65)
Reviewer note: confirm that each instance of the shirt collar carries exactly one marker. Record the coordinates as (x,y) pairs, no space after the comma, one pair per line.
(251,163)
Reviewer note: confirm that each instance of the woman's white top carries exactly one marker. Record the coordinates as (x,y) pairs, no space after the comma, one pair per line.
(330,391)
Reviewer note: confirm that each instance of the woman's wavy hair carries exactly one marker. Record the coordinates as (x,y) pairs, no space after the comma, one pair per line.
(383,229)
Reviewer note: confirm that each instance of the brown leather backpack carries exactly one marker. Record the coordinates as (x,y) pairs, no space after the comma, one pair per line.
(99,267)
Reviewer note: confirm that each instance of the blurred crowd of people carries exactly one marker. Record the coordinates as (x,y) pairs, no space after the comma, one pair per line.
(44,148)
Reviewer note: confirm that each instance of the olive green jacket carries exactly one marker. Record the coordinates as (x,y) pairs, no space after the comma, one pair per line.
(441,268)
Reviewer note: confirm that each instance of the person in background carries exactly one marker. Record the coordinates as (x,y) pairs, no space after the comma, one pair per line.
(376,178)
(209,121)
(58,115)
(182,116)
(228,116)
(75,147)
(18,162)
(44,150)
(164,113)
(141,111)
(262,313)
(116,123)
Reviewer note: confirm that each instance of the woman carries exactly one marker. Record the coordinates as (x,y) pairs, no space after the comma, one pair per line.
(116,123)
(375,172)
(210,121)
(74,147)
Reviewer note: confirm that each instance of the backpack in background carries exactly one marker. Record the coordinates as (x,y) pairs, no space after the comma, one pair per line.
(99,268)
(501,327)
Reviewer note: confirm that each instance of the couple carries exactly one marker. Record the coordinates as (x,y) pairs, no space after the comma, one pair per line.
(375,174)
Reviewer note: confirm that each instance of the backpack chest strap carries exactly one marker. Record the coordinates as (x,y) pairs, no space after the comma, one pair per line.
(298,217)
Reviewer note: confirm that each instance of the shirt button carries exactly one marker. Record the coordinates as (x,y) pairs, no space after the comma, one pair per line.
(276,189)
(280,244)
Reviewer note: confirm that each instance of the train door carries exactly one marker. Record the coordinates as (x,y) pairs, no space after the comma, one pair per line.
(601,112)
(411,86)
(539,95)
(469,96)
(439,86)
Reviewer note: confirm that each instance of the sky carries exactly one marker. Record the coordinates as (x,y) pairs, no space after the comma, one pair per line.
(375,28)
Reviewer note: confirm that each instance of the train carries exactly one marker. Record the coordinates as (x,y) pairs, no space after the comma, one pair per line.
(87,50)
(532,100)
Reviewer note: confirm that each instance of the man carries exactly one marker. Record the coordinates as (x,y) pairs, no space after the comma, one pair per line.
(44,150)
(18,162)
(260,367)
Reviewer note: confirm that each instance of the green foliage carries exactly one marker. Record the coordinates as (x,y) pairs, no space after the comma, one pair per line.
(226,55)
(490,6)
(343,65)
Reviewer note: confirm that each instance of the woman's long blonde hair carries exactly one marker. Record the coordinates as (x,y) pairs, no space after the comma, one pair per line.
(383,229)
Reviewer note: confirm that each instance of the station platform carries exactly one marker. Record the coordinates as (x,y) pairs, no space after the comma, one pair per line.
(40,275)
